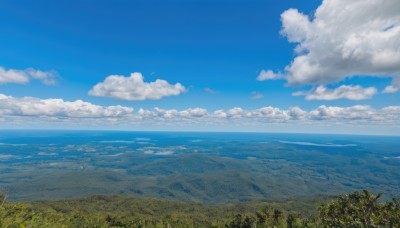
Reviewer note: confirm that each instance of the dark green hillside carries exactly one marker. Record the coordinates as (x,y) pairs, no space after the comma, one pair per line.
(360,209)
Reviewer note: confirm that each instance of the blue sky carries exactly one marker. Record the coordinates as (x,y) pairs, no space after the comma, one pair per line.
(219,46)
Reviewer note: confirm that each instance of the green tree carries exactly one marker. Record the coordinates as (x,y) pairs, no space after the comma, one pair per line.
(360,209)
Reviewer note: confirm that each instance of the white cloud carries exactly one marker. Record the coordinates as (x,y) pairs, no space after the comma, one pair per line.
(394,87)
(35,107)
(134,88)
(353,115)
(342,39)
(256,95)
(391,89)
(236,113)
(220,114)
(342,92)
(163,114)
(269,113)
(25,76)
(297,113)
(29,112)
(269,75)
(358,114)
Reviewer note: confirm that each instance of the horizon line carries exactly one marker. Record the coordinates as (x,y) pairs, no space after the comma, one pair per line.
(202,131)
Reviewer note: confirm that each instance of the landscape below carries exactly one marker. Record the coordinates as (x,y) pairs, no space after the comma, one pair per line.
(218,178)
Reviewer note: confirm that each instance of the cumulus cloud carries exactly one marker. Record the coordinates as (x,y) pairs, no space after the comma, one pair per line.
(256,95)
(394,87)
(355,114)
(35,107)
(135,88)
(342,92)
(269,75)
(359,114)
(161,114)
(25,76)
(342,39)
(30,111)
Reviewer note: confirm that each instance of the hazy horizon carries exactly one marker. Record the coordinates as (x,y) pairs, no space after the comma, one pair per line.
(194,131)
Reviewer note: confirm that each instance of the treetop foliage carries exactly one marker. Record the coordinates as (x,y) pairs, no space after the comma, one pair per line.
(358,209)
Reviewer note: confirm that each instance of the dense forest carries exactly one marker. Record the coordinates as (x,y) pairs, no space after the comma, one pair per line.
(359,209)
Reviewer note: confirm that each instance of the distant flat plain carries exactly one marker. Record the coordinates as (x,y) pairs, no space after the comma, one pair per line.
(212,168)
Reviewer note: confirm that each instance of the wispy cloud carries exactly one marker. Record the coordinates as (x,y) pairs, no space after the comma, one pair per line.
(210,91)
(256,95)
(394,87)
(269,75)
(25,76)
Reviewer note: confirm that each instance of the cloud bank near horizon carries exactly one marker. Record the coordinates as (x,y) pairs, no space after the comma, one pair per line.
(57,108)
(28,110)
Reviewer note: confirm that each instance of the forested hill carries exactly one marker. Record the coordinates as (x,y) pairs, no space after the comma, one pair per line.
(359,209)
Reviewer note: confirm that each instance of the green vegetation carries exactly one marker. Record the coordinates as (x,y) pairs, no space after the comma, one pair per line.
(359,209)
